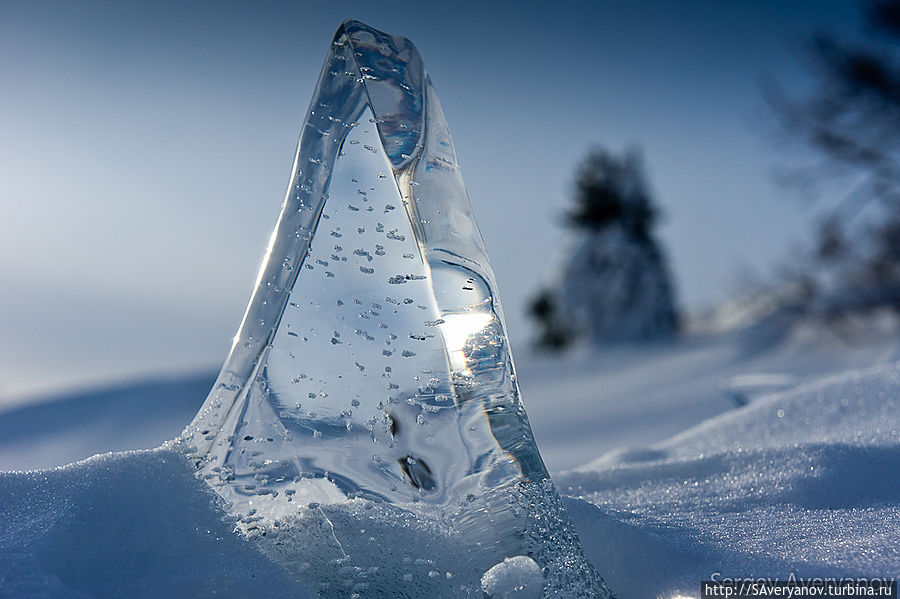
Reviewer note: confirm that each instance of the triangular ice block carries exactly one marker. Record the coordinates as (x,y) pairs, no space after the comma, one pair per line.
(367,427)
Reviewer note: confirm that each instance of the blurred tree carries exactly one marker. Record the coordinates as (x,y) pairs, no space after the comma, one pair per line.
(852,120)
(616,287)
(554,333)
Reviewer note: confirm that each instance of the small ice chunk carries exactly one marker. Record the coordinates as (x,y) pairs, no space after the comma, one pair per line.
(516,577)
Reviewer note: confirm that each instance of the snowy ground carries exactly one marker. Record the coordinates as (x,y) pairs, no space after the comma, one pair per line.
(802,482)
(583,406)
(799,481)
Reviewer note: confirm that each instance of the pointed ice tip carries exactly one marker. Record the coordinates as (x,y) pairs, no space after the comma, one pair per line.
(393,76)
(353,28)
(348,27)
(351,25)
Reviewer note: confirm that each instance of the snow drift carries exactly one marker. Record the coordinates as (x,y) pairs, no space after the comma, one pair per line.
(135,524)
(800,482)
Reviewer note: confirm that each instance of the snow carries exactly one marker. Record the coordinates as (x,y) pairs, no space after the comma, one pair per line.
(74,426)
(801,482)
(667,482)
(517,577)
(584,405)
(135,524)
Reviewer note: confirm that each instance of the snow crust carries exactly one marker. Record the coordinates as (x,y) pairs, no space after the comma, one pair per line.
(75,426)
(134,524)
(801,483)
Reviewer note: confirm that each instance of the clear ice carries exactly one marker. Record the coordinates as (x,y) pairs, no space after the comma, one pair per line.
(366,428)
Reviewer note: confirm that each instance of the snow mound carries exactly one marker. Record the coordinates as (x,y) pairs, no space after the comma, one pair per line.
(138,524)
(142,524)
(584,405)
(70,427)
(802,482)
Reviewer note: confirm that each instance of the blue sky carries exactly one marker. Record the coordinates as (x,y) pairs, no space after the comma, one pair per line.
(146,148)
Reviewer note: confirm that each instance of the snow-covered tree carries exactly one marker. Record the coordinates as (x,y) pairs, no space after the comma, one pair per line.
(616,286)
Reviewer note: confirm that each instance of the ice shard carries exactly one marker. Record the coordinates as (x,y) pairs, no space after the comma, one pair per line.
(366,428)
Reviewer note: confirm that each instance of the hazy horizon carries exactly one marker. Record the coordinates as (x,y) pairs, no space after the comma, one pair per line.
(147,149)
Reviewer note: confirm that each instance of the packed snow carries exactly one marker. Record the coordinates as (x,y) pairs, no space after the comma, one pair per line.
(668,480)
(134,524)
(74,426)
(801,482)
(582,406)
(517,577)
